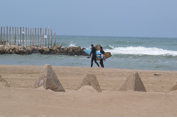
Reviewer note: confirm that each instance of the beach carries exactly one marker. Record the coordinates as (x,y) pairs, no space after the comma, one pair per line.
(88,58)
(22,99)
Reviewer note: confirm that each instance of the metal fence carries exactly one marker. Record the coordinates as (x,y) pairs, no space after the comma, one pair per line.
(22,36)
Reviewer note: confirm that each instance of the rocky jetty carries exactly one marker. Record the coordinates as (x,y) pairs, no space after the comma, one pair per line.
(56,50)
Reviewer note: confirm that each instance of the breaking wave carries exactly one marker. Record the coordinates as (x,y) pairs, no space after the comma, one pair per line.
(141,51)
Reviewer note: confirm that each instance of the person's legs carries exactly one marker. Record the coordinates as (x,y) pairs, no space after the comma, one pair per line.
(92,62)
(96,61)
(101,62)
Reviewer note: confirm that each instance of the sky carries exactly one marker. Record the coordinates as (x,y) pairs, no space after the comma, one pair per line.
(127,18)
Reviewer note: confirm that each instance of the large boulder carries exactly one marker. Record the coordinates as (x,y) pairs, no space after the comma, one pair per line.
(49,79)
(79,49)
(46,50)
(17,51)
(97,47)
(2,49)
(83,52)
(57,50)
(2,46)
(70,50)
(65,49)
(73,48)
(30,48)
(7,48)
(13,47)
(58,46)
(21,48)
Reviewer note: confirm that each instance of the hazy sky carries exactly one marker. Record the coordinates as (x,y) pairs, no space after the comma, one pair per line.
(142,18)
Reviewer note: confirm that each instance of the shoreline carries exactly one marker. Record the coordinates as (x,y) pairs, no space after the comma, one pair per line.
(90,67)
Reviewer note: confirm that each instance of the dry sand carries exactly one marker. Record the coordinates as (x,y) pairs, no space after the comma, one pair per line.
(21,99)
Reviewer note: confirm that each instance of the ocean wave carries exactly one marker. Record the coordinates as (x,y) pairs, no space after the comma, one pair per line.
(72,45)
(141,51)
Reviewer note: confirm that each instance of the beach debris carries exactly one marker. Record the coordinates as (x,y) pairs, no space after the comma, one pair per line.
(134,83)
(3,82)
(90,80)
(157,74)
(49,79)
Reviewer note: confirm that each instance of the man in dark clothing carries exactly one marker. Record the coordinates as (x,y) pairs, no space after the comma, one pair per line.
(93,52)
(101,60)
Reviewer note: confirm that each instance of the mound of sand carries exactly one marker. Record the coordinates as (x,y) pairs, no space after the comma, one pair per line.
(41,88)
(90,80)
(87,89)
(48,79)
(3,83)
(133,83)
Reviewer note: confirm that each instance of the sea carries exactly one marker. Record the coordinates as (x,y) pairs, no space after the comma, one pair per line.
(127,53)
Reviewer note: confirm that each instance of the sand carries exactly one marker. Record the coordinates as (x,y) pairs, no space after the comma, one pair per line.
(21,99)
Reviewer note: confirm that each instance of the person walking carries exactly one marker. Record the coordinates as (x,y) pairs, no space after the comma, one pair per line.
(101,60)
(93,52)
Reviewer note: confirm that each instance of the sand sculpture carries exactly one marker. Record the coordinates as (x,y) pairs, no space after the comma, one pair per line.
(133,83)
(90,80)
(174,88)
(3,83)
(49,79)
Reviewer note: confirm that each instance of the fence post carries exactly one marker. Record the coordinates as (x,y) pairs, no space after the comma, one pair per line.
(6,34)
(12,35)
(2,29)
(54,38)
(1,35)
(51,38)
(23,35)
(30,36)
(45,37)
(20,36)
(48,37)
(40,36)
(35,36)
(9,35)
(17,36)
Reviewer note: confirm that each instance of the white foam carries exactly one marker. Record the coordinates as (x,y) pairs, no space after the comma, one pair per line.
(141,51)
(72,45)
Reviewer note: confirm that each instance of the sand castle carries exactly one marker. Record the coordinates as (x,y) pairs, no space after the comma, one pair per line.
(133,83)
(49,79)
(173,88)
(3,83)
(90,80)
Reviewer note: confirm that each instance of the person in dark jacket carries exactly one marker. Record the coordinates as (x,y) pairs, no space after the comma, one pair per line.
(101,60)
(93,52)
